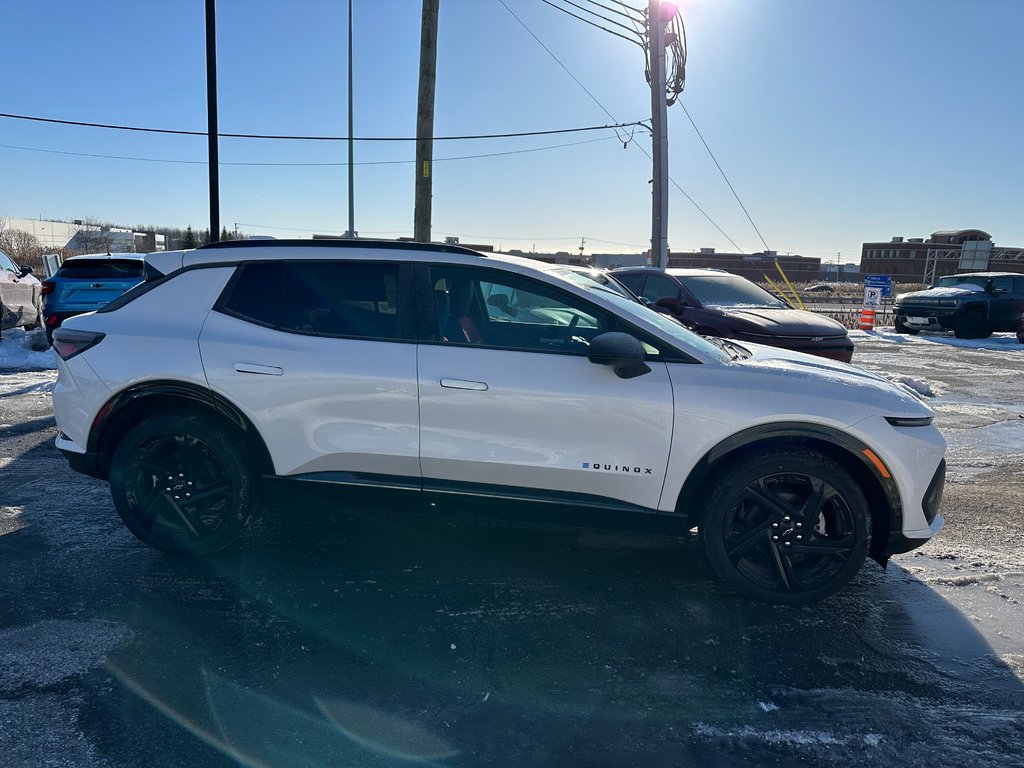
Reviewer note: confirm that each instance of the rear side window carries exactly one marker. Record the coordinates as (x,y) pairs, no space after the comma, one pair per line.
(97,269)
(631,280)
(326,298)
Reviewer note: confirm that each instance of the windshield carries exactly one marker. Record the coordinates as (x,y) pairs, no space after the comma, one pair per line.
(728,291)
(961,281)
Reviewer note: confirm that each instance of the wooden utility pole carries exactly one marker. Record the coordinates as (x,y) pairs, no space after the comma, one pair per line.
(211,118)
(659,136)
(425,121)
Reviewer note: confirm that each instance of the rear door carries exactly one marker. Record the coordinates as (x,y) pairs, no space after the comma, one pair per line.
(510,404)
(321,356)
(1007,304)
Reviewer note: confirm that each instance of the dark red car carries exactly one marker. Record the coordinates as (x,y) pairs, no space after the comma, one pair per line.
(716,303)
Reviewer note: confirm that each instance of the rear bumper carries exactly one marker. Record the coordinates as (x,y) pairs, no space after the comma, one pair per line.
(80,461)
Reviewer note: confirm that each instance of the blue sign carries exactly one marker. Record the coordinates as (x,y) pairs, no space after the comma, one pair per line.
(879,281)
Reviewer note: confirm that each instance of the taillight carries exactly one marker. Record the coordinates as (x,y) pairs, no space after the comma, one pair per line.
(67,342)
(48,286)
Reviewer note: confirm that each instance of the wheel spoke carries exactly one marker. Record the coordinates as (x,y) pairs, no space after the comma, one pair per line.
(840,549)
(758,492)
(223,490)
(758,534)
(811,509)
(780,567)
(185,516)
(793,581)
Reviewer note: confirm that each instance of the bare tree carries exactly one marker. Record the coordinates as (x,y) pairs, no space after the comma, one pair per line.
(24,248)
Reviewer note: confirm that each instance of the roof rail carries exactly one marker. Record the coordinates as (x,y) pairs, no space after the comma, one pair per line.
(404,245)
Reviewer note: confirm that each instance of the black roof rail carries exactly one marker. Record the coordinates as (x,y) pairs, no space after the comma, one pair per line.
(403,245)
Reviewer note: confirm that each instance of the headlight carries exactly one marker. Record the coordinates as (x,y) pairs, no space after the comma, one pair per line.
(903,421)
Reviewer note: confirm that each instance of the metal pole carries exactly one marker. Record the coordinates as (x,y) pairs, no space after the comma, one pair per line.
(659,136)
(351,234)
(425,121)
(211,118)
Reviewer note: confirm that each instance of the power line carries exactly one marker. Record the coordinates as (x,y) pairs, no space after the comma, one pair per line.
(639,14)
(593,24)
(611,116)
(687,113)
(368,162)
(317,138)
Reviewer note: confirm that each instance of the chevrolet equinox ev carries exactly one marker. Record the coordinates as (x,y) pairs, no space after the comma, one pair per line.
(485,386)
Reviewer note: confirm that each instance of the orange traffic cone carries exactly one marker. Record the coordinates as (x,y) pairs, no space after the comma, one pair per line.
(867,319)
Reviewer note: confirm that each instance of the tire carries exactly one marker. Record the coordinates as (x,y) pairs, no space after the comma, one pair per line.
(762,504)
(971,325)
(182,484)
(901,328)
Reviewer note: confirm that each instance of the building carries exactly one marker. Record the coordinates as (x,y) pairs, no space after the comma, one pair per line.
(753,266)
(946,252)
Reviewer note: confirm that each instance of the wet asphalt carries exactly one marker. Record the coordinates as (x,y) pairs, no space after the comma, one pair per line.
(327,639)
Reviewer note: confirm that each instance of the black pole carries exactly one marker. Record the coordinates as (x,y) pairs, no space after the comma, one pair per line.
(351,167)
(211,118)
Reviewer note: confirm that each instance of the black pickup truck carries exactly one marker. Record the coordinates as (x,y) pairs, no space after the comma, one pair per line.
(972,305)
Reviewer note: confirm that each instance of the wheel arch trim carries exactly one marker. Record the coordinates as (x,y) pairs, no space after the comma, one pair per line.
(850,449)
(193,394)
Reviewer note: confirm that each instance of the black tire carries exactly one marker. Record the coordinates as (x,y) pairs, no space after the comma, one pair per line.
(762,504)
(971,325)
(182,484)
(901,328)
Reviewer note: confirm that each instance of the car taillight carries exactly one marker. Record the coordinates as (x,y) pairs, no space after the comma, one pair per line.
(67,343)
(48,286)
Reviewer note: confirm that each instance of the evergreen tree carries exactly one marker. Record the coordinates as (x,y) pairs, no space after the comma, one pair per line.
(189,241)
(224,234)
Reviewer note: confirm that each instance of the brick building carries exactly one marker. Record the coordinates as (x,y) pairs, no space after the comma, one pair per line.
(946,252)
(753,266)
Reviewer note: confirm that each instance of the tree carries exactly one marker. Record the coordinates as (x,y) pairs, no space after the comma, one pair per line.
(189,240)
(24,248)
(224,234)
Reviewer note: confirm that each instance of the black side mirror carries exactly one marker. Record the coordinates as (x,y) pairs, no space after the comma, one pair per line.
(671,303)
(25,270)
(622,352)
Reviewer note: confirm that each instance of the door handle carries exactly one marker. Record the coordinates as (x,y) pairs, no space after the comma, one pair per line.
(476,386)
(263,370)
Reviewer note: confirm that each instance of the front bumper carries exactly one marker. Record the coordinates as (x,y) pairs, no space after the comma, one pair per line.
(925,318)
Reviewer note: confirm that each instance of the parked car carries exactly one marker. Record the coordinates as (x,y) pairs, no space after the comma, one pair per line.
(86,283)
(820,288)
(19,296)
(379,370)
(972,305)
(716,303)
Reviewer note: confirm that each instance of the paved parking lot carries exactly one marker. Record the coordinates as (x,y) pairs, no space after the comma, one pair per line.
(325,639)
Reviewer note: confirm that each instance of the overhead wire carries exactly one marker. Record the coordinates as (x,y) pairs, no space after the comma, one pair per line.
(631,17)
(318,164)
(593,24)
(612,117)
(516,134)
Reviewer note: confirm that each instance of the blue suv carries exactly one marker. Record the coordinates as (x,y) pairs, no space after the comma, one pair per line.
(87,283)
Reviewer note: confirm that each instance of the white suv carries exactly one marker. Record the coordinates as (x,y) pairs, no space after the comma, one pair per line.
(501,387)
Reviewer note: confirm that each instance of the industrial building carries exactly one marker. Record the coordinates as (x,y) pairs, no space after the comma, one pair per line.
(945,252)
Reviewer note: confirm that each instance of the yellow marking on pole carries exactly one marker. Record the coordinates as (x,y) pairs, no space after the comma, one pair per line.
(782,293)
(426,169)
(789,285)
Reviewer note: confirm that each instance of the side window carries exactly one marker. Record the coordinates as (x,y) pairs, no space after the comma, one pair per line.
(631,281)
(1002,283)
(496,309)
(658,286)
(6,263)
(1018,285)
(327,298)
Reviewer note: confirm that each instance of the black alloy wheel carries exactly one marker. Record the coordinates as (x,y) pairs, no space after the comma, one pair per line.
(788,527)
(182,485)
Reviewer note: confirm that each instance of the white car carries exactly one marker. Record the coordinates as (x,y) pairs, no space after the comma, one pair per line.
(20,296)
(381,368)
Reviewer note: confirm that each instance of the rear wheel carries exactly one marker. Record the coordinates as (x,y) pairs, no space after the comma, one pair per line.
(787,527)
(181,484)
(971,325)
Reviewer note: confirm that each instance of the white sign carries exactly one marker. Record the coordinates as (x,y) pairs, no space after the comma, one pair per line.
(872,297)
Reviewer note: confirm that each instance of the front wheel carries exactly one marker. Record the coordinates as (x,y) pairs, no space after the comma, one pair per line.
(182,485)
(788,527)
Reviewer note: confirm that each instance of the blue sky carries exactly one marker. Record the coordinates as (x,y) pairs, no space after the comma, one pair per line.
(836,121)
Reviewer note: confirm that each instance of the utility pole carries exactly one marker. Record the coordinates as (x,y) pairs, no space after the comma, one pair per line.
(659,135)
(211,118)
(351,234)
(425,121)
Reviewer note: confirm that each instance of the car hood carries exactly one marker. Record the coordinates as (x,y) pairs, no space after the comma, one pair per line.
(782,322)
(951,292)
(809,374)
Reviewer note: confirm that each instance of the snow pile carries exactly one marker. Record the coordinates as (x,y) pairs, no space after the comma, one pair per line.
(17,353)
(922,388)
(997,342)
(953,290)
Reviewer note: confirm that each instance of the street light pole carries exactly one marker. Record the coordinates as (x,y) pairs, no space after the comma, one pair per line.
(213,161)
(659,136)
(351,234)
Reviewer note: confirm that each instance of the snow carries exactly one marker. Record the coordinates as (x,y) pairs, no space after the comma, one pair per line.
(17,353)
(1000,342)
(954,291)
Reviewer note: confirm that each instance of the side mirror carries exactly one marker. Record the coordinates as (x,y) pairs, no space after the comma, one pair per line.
(25,270)
(622,352)
(671,303)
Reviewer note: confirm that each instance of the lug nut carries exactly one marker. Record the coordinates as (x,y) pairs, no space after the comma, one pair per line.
(188,495)
(786,519)
(167,489)
(181,475)
(799,537)
(799,525)
(178,498)
(775,525)
(775,538)
(789,544)
(189,483)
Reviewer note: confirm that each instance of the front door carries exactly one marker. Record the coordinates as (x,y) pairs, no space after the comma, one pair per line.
(509,399)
